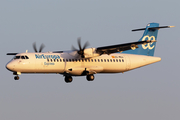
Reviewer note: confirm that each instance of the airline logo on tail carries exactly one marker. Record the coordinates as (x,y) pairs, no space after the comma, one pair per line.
(149,45)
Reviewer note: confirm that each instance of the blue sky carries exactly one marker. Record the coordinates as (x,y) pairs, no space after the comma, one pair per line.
(151,92)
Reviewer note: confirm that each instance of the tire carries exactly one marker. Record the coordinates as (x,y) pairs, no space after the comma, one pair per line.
(16,78)
(90,77)
(68,79)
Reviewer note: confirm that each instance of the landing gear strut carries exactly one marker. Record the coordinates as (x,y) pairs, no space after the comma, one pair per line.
(16,78)
(90,77)
(68,79)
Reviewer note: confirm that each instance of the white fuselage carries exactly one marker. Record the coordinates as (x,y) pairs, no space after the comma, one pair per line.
(66,63)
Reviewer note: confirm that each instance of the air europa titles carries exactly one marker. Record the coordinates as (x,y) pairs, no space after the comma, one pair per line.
(42,56)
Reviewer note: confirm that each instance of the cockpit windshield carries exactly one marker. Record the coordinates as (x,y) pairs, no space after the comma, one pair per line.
(21,57)
(17,57)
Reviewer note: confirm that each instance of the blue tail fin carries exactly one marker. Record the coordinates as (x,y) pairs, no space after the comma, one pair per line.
(150,33)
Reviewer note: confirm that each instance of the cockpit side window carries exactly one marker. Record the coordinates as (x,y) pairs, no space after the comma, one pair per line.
(26,57)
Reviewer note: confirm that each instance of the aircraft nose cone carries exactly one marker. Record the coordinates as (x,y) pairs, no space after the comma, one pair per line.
(10,66)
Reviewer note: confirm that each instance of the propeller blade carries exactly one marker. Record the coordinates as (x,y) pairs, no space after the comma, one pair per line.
(80,51)
(41,47)
(34,46)
(79,43)
(85,45)
(73,48)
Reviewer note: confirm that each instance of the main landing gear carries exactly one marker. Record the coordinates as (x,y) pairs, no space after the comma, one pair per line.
(69,79)
(90,77)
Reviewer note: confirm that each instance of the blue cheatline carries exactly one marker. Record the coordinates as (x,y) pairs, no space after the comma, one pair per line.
(149,34)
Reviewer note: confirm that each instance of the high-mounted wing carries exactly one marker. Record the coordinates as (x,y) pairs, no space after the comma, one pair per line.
(121,47)
(11,53)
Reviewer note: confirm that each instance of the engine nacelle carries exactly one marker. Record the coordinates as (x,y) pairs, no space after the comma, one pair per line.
(90,52)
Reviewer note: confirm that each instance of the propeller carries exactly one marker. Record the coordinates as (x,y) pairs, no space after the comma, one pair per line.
(40,49)
(81,49)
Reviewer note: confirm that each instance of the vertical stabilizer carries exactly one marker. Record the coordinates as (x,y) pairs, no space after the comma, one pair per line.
(150,33)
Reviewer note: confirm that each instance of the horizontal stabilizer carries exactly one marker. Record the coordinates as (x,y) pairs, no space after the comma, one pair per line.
(153,28)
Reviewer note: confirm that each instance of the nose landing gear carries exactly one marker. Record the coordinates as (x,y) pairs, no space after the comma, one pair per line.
(16,77)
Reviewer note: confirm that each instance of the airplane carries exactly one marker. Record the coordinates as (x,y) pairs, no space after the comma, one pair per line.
(85,61)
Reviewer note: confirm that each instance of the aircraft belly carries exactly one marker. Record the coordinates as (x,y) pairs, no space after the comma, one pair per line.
(111,67)
(82,68)
(77,68)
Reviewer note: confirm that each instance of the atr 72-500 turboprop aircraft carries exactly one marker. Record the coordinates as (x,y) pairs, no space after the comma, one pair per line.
(89,61)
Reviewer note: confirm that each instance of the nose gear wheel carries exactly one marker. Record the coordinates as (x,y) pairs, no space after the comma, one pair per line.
(16,78)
